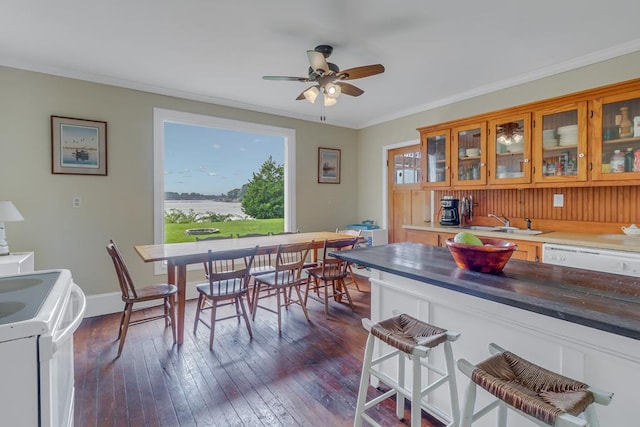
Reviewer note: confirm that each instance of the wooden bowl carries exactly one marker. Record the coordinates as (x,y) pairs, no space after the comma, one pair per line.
(491,257)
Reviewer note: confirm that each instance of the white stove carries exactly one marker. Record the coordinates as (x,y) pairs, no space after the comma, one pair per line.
(39,312)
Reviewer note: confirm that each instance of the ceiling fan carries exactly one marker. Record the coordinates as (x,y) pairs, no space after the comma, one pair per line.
(328,78)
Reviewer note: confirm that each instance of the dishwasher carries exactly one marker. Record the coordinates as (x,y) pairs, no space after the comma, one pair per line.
(603,260)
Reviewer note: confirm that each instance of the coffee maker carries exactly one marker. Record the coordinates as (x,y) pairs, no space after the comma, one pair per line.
(449,208)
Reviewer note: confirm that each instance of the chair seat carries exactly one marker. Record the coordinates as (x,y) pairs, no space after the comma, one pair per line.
(285,279)
(406,333)
(327,273)
(531,389)
(264,269)
(152,292)
(224,289)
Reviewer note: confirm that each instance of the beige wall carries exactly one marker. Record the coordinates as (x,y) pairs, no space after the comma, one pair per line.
(120,205)
(372,139)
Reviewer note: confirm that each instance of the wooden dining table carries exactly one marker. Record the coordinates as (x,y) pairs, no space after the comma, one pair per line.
(179,255)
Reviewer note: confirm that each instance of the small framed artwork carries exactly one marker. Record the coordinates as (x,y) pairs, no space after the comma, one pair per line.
(78,146)
(328,165)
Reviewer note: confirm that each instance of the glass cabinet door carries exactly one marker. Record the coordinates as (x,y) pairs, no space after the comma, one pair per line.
(616,137)
(560,143)
(407,167)
(437,149)
(509,146)
(468,154)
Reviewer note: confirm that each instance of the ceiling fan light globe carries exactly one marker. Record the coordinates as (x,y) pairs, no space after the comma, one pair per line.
(328,101)
(311,94)
(332,90)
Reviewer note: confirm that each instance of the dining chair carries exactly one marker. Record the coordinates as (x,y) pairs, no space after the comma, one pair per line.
(240,236)
(330,274)
(287,277)
(228,280)
(352,276)
(285,232)
(203,239)
(132,295)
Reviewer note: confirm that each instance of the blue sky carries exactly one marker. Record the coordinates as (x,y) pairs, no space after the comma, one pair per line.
(213,161)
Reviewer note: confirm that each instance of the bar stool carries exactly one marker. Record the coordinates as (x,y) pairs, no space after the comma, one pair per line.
(413,340)
(542,396)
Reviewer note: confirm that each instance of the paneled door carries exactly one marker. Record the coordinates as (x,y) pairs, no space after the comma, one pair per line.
(408,203)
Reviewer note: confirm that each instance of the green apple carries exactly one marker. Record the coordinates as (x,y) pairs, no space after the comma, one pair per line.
(467,238)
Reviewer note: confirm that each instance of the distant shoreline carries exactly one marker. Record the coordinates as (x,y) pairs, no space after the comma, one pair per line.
(203,206)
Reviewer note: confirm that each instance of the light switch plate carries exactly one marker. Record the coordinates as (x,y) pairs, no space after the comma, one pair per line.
(76,202)
(558,200)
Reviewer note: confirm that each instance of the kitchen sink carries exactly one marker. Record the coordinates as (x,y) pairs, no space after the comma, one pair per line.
(500,229)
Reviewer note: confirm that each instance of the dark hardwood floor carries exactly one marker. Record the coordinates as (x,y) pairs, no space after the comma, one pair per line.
(308,376)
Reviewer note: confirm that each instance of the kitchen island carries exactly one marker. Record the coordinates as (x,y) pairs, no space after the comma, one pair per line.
(579,323)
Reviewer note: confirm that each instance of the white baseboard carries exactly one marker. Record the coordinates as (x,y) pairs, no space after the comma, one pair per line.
(98,305)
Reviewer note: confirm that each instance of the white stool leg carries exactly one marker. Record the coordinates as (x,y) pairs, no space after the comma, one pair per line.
(502,415)
(469,402)
(590,416)
(416,393)
(364,380)
(399,396)
(453,388)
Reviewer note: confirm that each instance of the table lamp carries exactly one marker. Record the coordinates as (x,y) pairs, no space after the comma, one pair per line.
(8,213)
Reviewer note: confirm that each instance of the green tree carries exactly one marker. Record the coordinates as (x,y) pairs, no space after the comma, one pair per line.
(264,197)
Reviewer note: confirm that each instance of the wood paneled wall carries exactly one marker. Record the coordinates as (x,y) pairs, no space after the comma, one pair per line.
(588,209)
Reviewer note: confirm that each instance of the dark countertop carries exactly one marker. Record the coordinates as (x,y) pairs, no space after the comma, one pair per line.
(608,302)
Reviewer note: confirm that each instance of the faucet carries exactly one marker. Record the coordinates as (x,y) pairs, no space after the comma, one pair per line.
(504,220)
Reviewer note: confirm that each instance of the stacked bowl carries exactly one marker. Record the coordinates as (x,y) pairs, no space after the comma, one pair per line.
(568,135)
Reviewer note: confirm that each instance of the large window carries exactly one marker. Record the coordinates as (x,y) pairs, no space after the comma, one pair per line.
(204,154)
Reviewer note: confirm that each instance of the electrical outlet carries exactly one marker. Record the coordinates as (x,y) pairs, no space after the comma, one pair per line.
(558,200)
(76,202)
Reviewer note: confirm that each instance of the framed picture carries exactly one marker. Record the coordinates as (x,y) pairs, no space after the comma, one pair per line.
(78,146)
(328,165)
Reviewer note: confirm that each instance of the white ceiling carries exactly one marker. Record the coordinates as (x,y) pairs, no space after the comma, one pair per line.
(218,50)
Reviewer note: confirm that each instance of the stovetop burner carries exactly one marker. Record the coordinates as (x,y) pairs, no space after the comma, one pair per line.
(22,296)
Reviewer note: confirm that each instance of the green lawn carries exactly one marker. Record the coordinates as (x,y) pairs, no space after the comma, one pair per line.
(174,233)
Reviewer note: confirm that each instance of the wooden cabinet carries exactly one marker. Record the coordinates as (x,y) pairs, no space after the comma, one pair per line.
(560,143)
(527,250)
(613,133)
(419,236)
(469,155)
(571,140)
(437,145)
(509,146)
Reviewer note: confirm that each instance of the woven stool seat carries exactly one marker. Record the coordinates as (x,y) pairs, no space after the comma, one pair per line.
(530,389)
(533,390)
(408,340)
(406,333)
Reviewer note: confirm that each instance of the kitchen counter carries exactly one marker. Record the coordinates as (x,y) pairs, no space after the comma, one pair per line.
(618,242)
(598,300)
(578,323)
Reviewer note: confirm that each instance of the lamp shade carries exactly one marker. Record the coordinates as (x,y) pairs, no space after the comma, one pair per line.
(311,94)
(332,90)
(328,102)
(8,212)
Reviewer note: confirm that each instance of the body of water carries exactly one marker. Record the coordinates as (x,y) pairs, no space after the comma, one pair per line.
(202,206)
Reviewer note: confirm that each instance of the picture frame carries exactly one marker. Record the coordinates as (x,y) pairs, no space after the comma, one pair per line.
(78,146)
(328,165)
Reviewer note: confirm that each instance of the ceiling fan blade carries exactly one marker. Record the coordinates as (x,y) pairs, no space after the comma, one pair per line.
(350,89)
(360,72)
(286,78)
(317,61)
